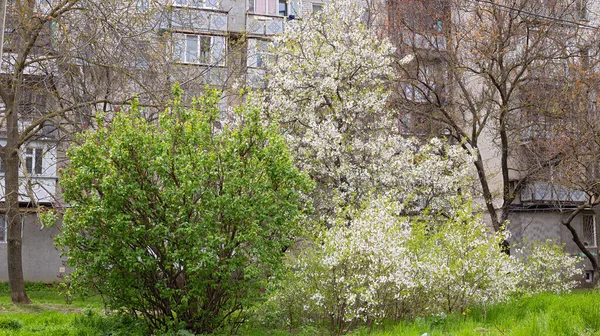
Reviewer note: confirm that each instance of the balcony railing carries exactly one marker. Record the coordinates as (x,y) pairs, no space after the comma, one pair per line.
(547,192)
(264,25)
(197,19)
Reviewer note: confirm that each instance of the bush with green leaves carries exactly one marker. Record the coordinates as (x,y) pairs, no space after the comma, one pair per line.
(179,221)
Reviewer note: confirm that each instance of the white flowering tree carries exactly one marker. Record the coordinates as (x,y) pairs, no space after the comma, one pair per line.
(402,237)
(394,260)
(329,90)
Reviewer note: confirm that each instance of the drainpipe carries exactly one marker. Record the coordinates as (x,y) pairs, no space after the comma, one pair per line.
(2,27)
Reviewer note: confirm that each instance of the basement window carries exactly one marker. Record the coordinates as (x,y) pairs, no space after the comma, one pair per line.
(589,276)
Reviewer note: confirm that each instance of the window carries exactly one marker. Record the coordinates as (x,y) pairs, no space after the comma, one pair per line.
(197,3)
(283,8)
(263,6)
(589,230)
(199,49)
(317,7)
(258,53)
(589,276)
(33,160)
(4,228)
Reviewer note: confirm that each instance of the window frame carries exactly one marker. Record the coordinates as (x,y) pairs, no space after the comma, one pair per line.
(3,222)
(200,60)
(259,54)
(36,157)
(286,8)
(252,8)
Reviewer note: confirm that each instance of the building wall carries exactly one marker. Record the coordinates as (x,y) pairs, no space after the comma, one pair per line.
(41,259)
(544,224)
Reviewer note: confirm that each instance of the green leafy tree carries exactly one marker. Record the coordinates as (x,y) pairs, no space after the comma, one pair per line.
(181,222)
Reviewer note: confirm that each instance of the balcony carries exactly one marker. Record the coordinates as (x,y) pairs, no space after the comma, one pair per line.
(199,19)
(264,25)
(40,158)
(540,192)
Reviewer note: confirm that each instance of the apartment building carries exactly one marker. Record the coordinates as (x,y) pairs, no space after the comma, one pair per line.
(488,74)
(196,43)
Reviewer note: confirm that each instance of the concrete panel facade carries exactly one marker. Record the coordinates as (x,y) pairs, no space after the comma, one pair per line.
(41,259)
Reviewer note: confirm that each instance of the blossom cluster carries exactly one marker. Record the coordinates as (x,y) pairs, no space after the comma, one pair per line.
(393,262)
(329,90)
(395,233)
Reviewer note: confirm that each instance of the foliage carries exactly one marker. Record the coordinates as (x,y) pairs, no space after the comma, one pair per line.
(577,313)
(548,268)
(179,221)
(396,259)
(10,324)
(419,251)
(328,89)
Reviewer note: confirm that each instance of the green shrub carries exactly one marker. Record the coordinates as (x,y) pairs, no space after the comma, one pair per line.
(180,222)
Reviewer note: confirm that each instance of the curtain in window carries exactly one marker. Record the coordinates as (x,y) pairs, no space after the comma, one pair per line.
(273,7)
(260,6)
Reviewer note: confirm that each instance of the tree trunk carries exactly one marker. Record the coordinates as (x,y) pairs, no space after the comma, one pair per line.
(13,217)
(567,223)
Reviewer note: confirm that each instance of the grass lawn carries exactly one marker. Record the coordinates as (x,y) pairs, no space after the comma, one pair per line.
(576,314)
(51,315)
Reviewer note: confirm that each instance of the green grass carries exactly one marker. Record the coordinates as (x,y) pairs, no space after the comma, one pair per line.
(576,314)
(51,315)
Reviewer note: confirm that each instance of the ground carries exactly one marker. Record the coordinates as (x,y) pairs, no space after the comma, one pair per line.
(576,314)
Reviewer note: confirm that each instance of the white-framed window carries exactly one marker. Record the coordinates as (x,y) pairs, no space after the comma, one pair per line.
(199,49)
(4,228)
(258,53)
(263,6)
(317,7)
(34,162)
(211,4)
(589,231)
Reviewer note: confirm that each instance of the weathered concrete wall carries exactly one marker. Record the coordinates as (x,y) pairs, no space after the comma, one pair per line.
(540,225)
(41,259)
